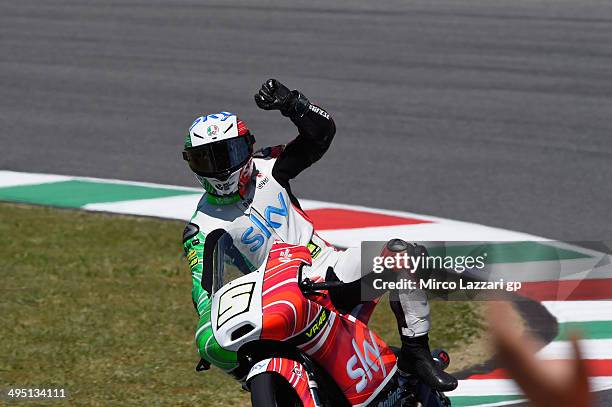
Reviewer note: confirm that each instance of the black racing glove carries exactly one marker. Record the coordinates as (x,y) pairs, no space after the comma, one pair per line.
(273,95)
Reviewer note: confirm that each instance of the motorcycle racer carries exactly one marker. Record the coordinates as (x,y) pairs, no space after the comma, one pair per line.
(248,195)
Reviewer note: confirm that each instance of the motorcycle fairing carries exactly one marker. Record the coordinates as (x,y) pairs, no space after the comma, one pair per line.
(293,372)
(287,313)
(237,308)
(357,359)
(236,313)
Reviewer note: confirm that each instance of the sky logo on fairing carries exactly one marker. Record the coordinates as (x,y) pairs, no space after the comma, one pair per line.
(366,361)
(256,239)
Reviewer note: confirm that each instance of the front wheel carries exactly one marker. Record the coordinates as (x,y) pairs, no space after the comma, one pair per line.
(272,390)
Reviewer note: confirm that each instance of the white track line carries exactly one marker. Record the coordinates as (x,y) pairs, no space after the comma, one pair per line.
(502,403)
(590,349)
(179,207)
(13,179)
(580,311)
(507,387)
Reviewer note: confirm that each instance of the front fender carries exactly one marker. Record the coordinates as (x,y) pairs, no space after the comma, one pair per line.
(293,372)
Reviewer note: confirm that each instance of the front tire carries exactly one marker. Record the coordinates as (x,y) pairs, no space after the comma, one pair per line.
(272,390)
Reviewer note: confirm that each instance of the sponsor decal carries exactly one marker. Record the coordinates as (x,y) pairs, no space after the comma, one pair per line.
(256,239)
(223,186)
(319,111)
(259,366)
(316,327)
(297,370)
(212,130)
(192,258)
(252,238)
(263,182)
(314,250)
(285,256)
(392,398)
(364,363)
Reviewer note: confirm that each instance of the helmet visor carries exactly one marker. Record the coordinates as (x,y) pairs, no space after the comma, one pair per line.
(219,158)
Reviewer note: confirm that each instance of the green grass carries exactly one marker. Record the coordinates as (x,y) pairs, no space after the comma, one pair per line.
(100,305)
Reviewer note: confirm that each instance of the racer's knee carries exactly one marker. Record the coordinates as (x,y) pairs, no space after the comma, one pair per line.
(411,310)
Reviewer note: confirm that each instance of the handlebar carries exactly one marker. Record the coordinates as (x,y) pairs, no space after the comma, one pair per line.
(307,285)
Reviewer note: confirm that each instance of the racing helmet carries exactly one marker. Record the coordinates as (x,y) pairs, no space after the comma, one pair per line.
(219,150)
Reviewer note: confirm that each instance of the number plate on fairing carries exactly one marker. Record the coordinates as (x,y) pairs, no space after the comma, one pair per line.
(237,305)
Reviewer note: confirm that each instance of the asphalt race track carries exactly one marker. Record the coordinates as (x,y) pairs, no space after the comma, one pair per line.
(491,111)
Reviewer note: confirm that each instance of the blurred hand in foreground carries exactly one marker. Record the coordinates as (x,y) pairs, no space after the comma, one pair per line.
(561,383)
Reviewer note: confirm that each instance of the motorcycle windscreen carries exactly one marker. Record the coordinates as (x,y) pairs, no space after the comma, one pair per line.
(229,264)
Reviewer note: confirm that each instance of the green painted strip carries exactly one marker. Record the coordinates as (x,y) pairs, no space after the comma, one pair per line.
(465,401)
(76,193)
(511,252)
(587,330)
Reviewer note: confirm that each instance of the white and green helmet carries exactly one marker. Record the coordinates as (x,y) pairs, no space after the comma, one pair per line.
(219,150)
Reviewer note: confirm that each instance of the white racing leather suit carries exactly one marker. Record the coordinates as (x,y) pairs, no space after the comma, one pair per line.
(270,212)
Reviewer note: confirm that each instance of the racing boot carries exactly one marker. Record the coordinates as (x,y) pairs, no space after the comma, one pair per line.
(416,359)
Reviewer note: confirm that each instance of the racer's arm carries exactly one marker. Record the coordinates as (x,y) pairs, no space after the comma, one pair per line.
(193,246)
(315,126)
